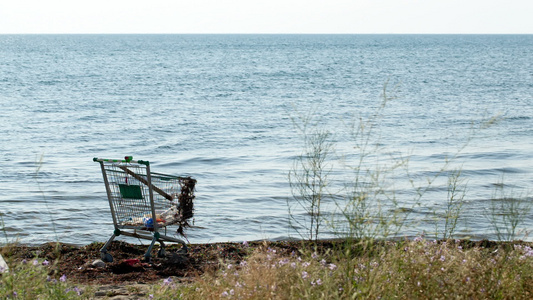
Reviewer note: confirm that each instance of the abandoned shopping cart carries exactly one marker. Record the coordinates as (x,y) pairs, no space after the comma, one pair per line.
(144,203)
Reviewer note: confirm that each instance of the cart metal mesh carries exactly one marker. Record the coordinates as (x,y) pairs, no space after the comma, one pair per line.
(146,201)
(130,195)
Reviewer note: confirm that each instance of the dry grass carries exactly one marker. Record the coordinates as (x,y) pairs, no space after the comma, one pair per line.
(34,279)
(419,269)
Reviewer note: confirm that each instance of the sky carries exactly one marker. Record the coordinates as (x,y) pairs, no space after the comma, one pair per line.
(267,16)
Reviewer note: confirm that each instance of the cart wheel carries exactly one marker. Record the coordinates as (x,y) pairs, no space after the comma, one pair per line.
(106,257)
(161,253)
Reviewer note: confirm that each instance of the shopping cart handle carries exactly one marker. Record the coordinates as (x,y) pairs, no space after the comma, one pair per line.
(128,159)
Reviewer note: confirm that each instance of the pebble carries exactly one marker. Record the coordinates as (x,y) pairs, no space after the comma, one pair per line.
(98,263)
(122,292)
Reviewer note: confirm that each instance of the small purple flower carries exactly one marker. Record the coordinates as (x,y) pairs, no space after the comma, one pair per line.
(332,267)
(323,262)
(167,281)
(24,261)
(151,296)
(63,278)
(224,294)
(245,243)
(35,262)
(305,274)
(46,262)
(314,255)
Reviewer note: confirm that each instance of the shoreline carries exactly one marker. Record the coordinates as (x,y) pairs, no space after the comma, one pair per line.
(129,277)
(76,260)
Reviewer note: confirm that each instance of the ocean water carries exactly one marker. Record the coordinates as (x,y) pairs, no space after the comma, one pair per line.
(223,109)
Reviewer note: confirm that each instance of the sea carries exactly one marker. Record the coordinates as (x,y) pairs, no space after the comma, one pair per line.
(437,128)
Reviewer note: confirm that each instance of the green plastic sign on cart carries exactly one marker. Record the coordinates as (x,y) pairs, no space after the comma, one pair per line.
(130,191)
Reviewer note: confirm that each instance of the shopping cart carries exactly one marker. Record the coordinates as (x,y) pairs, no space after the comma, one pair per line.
(143,203)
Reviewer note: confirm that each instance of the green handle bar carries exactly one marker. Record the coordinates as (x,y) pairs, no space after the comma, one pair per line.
(127,159)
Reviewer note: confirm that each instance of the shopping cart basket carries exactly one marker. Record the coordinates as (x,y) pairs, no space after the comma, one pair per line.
(143,203)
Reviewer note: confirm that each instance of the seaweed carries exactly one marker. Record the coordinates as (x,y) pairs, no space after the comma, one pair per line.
(186,204)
